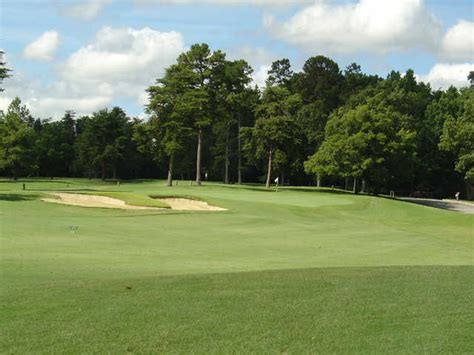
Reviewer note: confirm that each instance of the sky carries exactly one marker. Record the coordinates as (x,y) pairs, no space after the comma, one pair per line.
(85,55)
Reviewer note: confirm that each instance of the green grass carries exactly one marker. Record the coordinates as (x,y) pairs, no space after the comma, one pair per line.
(294,271)
(133,199)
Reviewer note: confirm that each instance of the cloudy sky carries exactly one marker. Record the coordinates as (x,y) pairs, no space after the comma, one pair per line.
(89,54)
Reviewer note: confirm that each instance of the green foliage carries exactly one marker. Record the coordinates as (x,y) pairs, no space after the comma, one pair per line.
(458,136)
(321,81)
(170,123)
(205,116)
(16,138)
(368,141)
(103,140)
(4,71)
(356,81)
(55,146)
(196,69)
(280,73)
(275,129)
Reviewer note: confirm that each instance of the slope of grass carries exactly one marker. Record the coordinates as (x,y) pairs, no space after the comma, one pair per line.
(296,271)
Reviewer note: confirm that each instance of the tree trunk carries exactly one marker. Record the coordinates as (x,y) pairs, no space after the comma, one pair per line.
(346,181)
(226,174)
(362,189)
(269,169)
(318,180)
(169,182)
(354,187)
(239,155)
(198,159)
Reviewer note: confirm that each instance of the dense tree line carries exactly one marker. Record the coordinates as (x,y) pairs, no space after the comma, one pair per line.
(323,126)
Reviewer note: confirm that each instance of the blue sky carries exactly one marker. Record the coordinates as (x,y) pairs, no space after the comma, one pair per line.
(89,54)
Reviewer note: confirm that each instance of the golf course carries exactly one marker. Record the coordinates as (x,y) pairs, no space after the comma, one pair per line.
(293,270)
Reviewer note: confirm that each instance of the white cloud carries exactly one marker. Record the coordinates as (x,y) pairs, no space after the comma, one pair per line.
(82,105)
(85,10)
(458,42)
(49,101)
(43,47)
(224,2)
(366,26)
(123,54)
(260,75)
(121,61)
(253,55)
(118,63)
(443,75)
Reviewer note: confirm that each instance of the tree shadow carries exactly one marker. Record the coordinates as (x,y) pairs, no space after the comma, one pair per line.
(18,197)
(445,205)
(261,188)
(325,190)
(71,190)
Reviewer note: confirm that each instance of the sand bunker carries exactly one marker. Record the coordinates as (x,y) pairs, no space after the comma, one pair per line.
(181,204)
(186,204)
(93,201)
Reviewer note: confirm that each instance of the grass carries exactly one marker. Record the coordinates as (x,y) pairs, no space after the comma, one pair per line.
(133,199)
(294,271)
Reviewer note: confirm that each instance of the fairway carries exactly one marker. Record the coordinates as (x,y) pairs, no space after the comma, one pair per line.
(298,270)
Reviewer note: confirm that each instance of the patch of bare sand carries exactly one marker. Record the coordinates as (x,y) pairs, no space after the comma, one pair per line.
(180,204)
(94,201)
(186,204)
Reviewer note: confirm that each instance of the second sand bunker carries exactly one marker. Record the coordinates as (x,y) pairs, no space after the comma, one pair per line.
(186,204)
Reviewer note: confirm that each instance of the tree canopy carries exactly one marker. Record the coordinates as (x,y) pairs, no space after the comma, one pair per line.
(322,125)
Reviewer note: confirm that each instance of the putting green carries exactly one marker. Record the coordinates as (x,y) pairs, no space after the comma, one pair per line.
(142,280)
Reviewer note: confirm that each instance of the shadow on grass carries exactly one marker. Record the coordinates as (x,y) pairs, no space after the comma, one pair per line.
(18,197)
(32,180)
(72,190)
(261,188)
(440,204)
(189,197)
(327,190)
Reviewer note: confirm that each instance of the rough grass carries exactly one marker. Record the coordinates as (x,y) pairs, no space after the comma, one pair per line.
(293,271)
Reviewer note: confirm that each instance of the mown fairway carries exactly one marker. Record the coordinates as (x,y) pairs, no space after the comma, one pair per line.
(293,271)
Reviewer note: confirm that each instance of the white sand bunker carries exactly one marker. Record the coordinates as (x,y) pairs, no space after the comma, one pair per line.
(180,204)
(186,204)
(94,201)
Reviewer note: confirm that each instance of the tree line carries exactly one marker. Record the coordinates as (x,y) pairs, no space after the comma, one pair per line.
(322,125)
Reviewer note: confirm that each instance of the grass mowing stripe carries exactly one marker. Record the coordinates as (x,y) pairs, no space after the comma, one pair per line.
(364,310)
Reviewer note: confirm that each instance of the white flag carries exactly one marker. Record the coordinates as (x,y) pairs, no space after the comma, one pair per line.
(276,181)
